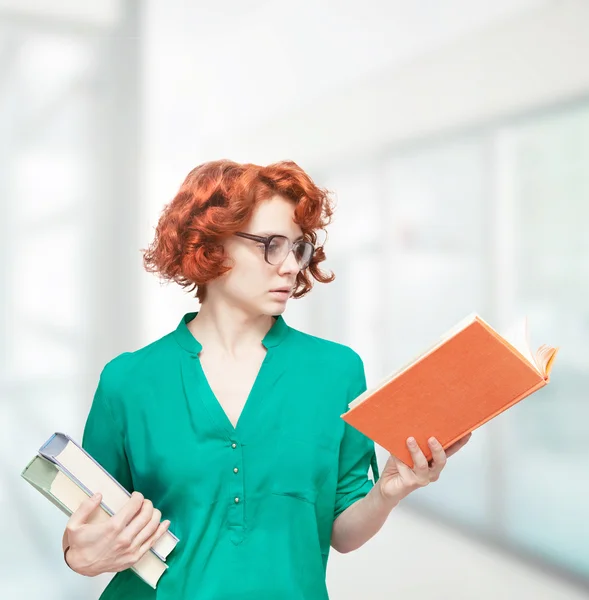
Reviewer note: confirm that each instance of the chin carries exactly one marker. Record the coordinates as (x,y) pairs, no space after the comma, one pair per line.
(275,308)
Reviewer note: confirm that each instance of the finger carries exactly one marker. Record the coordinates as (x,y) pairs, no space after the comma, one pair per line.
(140,521)
(133,505)
(148,527)
(420,466)
(404,470)
(151,540)
(439,458)
(457,445)
(82,513)
(153,531)
(461,441)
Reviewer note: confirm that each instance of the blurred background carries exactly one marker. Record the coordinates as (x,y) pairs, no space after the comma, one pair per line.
(455,138)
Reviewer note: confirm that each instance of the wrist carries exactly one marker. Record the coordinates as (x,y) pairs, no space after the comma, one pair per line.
(65,551)
(69,557)
(387,498)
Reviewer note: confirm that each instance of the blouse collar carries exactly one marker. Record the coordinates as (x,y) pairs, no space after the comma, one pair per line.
(186,339)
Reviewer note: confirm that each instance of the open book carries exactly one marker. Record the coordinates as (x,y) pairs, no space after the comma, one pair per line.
(470,375)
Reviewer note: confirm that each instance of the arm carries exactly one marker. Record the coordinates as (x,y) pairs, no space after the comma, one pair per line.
(361,508)
(104,432)
(116,544)
(103,439)
(362,520)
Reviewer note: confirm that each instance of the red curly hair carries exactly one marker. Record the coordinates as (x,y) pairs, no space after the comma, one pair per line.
(216,200)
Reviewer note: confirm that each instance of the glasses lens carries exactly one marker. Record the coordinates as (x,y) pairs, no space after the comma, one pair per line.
(303,252)
(277,249)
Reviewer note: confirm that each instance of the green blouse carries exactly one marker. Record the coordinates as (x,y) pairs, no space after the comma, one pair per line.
(252,505)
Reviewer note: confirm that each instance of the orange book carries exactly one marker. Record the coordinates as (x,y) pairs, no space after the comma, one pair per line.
(469,376)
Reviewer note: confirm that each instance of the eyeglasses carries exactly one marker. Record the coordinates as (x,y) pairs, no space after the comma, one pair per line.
(277,248)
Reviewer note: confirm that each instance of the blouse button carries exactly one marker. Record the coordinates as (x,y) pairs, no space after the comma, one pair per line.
(236,470)
(234,445)
(236,500)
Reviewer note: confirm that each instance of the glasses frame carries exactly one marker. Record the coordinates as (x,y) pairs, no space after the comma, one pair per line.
(266,240)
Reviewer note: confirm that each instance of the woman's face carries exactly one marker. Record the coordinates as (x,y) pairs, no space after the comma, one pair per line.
(251,280)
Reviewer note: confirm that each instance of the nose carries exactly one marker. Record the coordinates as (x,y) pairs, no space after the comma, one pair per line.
(289,264)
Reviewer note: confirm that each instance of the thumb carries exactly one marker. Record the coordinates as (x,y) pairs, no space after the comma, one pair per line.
(80,516)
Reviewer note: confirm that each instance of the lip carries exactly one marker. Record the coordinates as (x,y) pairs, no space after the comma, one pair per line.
(282,289)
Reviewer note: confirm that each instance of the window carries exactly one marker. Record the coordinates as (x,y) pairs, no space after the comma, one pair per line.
(493,221)
(60,191)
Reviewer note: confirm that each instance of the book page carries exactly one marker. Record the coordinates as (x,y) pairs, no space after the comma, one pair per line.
(93,477)
(518,336)
(545,358)
(89,474)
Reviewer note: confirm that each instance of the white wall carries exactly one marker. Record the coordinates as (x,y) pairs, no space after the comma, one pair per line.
(529,60)
(314,84)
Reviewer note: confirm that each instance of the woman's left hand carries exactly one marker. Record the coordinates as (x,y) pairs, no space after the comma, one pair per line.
(397,480)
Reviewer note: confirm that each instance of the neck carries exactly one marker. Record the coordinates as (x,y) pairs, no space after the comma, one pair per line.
(229,330)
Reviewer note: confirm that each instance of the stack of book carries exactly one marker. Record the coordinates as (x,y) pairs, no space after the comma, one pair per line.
(66,475)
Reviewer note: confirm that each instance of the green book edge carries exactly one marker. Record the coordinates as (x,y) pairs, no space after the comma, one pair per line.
(40,473)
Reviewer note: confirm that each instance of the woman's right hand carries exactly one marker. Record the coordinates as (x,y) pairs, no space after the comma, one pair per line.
(116,544)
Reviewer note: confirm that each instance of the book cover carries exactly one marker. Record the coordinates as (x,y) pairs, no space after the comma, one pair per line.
(466,379)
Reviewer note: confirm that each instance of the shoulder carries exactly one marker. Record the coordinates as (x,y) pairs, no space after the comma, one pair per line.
(327,351)
(127,368)
(333,366)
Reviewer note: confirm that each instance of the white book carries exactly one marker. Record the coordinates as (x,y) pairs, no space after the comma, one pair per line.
(73,460)
(47,478)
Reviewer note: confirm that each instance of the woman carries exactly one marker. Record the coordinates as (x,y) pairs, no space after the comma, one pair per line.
(230,424)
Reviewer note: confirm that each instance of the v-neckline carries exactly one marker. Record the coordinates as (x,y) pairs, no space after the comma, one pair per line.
(198,389)
(216,407)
